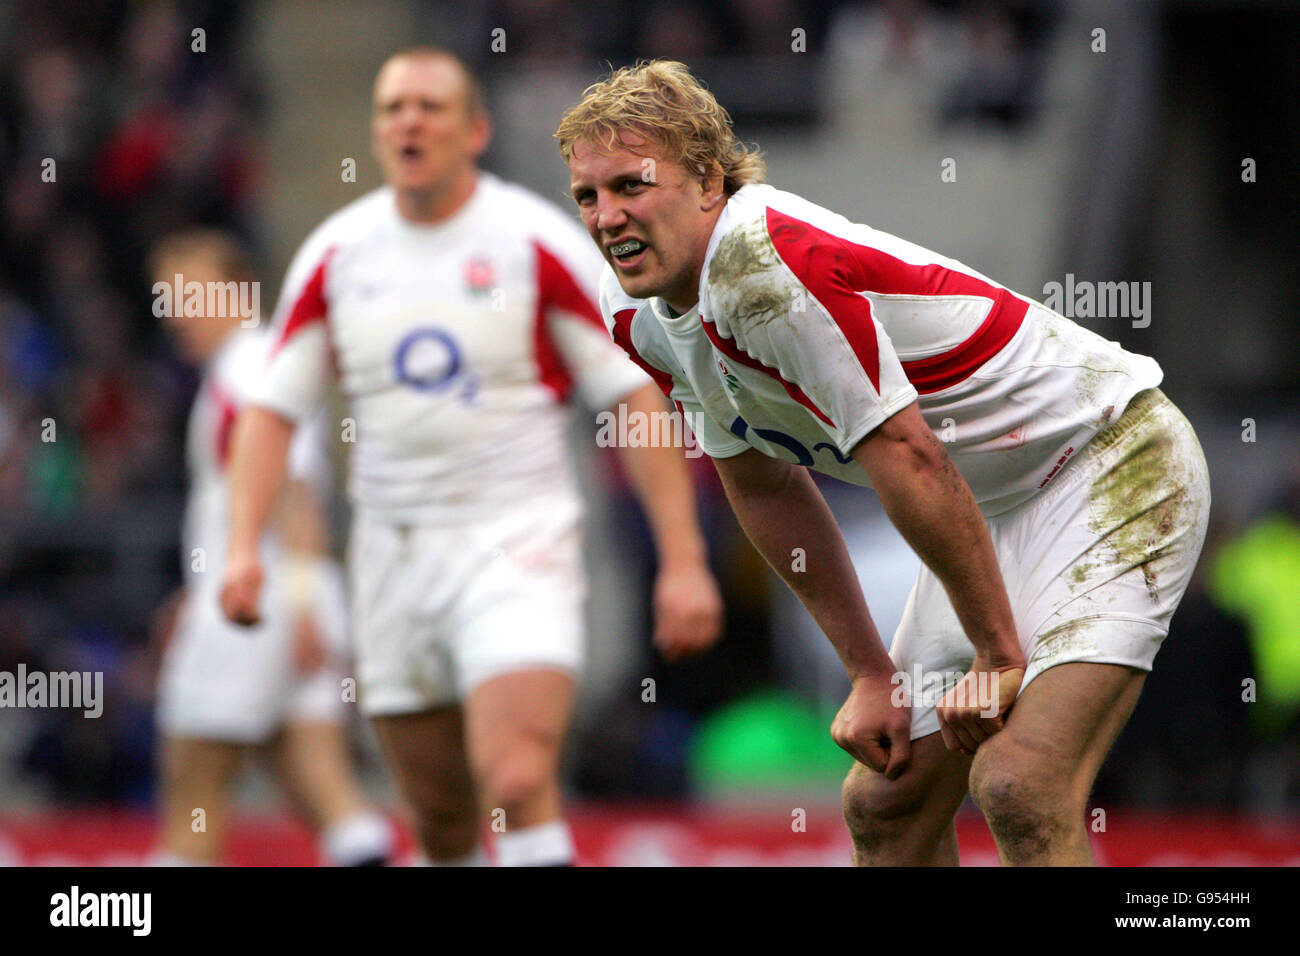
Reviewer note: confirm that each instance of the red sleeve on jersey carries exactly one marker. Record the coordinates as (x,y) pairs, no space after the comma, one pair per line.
(227,412)
(557,289)
(827,268)
(310,306)
(623,339)
(836,270)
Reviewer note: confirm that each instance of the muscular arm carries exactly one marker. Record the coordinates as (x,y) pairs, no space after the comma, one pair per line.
(780,509)
(928,501)
(933,508)
(259,451)
(688,609)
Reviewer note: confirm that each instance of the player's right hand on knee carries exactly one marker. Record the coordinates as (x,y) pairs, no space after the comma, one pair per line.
(241,589)
(976,707)
(874,728)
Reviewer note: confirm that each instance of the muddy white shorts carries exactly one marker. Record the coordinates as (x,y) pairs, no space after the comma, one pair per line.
(220,681)
(437,610)
(1094,565)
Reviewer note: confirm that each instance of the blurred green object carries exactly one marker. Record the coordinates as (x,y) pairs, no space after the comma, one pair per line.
(1257,578)
(770,741)
(55,476)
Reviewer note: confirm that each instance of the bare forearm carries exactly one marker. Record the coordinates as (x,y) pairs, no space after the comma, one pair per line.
(300,521)
(259,449)
(933,508)
(792,527)
(663,486)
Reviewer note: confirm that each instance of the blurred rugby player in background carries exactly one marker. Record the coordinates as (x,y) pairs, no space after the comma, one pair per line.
(275,688)
(459,313)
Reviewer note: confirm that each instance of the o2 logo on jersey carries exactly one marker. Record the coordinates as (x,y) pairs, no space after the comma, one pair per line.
(429,360)
(791,444)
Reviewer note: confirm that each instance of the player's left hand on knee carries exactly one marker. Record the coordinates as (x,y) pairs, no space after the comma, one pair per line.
(688,610)
(974,709)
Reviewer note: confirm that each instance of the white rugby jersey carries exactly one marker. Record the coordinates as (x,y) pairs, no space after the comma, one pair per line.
(455,345)
(811,330)
(227,382)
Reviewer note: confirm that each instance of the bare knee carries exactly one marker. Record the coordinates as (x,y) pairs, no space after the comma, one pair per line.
(1029,809)
(875,809)
(519,777)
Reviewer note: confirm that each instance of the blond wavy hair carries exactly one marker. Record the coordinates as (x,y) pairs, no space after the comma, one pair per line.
(662,101)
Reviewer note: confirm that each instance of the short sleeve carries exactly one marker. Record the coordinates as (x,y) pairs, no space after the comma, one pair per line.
(299,365)
(569,322)
(828,350)
(602,372)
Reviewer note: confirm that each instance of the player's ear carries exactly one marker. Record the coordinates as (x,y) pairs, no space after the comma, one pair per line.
(712,189)
(482,134)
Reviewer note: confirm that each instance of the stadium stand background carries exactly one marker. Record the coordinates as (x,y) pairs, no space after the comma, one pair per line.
(1124,165)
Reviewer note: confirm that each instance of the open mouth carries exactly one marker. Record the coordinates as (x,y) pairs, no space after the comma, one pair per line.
(410,153)
(628,251)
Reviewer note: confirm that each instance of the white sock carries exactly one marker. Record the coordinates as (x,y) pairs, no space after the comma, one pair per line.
(546,844)
(361,838)
(476,858)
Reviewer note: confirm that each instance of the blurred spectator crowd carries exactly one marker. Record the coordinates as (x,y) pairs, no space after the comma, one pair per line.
(114,131)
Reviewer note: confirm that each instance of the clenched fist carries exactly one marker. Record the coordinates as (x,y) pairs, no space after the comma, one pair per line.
(873,728)
(241,589)
(975,708)
(687,610)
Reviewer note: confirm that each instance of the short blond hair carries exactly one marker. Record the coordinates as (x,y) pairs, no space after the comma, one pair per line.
(224,251)
(475,102)
(661,100)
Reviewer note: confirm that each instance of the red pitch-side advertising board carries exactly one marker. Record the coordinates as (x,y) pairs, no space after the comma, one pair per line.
(665,836)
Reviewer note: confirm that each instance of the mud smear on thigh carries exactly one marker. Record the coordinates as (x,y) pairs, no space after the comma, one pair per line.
(1142,505)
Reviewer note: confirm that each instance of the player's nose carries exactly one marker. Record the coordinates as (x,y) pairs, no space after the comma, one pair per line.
(409,117)
(609,214)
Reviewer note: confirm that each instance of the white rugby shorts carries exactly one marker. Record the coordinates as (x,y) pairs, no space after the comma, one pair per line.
(220,681)
(438,610)
(1094,565)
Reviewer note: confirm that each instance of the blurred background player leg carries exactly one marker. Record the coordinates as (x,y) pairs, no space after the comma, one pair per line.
(515,726)
(310,754)
(313,766)
(195,781)
(426,753)
(510,731)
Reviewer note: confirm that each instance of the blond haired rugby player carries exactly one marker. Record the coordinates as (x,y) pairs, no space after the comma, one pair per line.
(1058,521)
